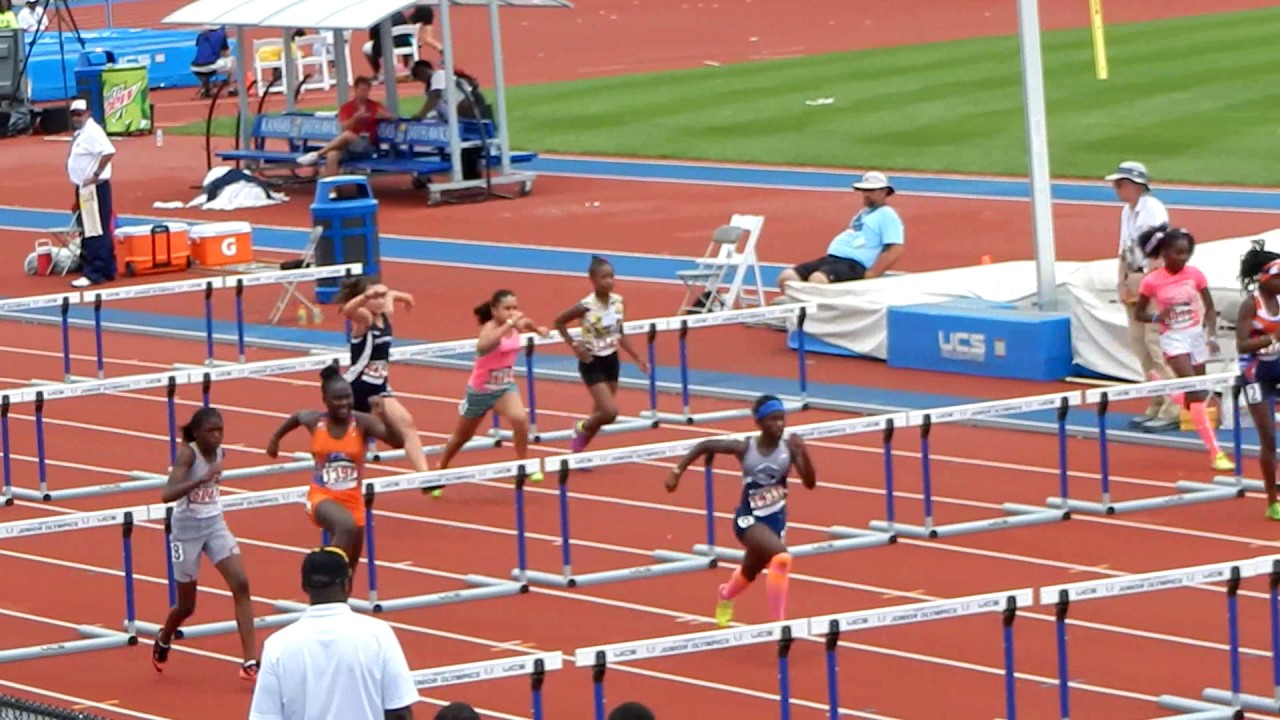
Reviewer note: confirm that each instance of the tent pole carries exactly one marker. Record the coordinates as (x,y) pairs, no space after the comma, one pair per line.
(1033,103)
(389,69)
(341,64)
(291,78)
(500,90)
(450,90)
(242,99)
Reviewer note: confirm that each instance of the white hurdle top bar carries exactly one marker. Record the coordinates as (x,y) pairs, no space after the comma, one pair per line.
(266,498)
(923,611)
(486,670)
(1014,406)
(690,643)
(1160,580)
(1160,387)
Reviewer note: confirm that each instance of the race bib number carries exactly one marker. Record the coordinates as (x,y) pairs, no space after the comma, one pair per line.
(175,551)
(339,475)
(767,497)
(1253,393)
(205,494)
(501,378)
(1182,316)
(375,371)
(609,319)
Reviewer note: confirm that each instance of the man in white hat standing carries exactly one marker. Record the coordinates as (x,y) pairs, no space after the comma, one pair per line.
(31,19)
(871,244)
(89,169)
(1142,210)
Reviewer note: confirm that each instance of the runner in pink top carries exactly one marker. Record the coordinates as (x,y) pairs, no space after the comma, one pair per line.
(492,385)
(1188,321)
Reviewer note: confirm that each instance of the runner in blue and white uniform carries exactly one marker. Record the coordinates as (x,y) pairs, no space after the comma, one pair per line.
(1258,342)
(368,306)
(198,528)
(760,521)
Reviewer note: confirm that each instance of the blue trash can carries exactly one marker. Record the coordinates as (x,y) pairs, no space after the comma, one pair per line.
(347,213)
(88,73)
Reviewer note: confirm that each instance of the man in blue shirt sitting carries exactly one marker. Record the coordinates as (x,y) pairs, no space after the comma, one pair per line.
(212,58)
(871,244)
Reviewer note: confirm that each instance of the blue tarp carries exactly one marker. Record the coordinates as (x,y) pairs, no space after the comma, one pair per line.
(167,53)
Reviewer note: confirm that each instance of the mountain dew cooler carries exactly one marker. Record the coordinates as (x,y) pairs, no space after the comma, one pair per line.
(126,100)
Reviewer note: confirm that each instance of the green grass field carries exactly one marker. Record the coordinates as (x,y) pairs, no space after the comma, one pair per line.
(1195,98)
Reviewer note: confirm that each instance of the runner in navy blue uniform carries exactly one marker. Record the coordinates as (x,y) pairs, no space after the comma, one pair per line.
(369,306)
(760,521)
(1258,342)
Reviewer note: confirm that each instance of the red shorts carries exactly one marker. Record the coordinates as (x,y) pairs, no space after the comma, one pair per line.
(352,500)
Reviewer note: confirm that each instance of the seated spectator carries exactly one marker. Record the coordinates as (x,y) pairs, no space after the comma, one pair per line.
(32,20)
(359,137)
(457,711)
(631,711)
(8,19)
(213,57)
(871,244)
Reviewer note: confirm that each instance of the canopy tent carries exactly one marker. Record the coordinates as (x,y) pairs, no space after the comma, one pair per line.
(341,17)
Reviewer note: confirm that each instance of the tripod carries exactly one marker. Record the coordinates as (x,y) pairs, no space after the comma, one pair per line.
(59,8)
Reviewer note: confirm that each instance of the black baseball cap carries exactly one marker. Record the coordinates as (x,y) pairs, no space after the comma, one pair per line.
(457,711)
(324,568)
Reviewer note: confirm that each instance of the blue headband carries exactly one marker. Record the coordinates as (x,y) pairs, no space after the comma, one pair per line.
(770,407)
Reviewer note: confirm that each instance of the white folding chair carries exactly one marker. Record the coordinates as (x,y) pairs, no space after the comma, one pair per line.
(728,275)
(313,62)
(408,51)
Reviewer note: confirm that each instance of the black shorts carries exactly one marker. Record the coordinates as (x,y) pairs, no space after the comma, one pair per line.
(837,269)
(601,369)
(363,391)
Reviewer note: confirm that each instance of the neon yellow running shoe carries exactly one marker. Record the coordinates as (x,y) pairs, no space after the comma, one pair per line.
(1223,463)
(536,477)
(1273,511)
(724,613)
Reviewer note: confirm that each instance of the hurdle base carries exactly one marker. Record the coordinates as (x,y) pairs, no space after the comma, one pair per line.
(844,538)
(33,495)
(485,589)
(140,484)
(620,425)
(669,563)
(1257,703)
(480,443)
(1018,516)
(713,416)
(66,380)
(96,638)
(1248,484)
(1189,493)
(1198,709)
(223,627)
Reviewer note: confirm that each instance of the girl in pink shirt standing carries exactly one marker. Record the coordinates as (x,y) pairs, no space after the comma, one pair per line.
(1187,318)
(492,385)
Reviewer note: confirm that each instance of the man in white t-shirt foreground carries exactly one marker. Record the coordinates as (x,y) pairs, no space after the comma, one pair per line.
(333,663)
(1142,210)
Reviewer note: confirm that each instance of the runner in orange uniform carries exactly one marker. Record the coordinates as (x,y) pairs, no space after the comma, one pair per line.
(335,500)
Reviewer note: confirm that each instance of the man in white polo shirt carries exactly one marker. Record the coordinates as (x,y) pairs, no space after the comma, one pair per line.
(333,663)
(89,170)
(1142,210)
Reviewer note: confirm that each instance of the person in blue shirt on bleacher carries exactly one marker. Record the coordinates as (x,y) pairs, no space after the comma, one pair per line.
(213,57)
(871,244)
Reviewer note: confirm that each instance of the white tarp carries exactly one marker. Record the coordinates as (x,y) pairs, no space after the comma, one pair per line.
(854,315)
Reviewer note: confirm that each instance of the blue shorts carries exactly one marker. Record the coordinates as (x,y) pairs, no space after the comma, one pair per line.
(777,522)
(478,402)
(1259,381)
(364,391)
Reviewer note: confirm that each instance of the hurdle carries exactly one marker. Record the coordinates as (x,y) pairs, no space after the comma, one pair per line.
(1006,604)
(94,637)
(13,309)
(669,562)
(782,634)
(1238,480)
(1230,573)
(1260,703)
(844,537)
(535,667)
(1188,492)
(1016,515)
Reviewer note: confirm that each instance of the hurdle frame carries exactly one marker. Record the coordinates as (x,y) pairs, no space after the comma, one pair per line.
(1188,492)
(1259,703)
(843,537)
(1231,573)
(669,562)
(534,666)
(95,637)
(1016,515)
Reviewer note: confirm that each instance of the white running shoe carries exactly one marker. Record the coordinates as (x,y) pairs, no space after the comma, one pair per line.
(310,158)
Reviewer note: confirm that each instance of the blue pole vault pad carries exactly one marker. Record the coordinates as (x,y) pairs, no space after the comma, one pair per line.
(991,341)
(815,344)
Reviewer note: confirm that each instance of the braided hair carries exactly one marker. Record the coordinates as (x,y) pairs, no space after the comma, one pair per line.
(1253,263)
(1154,240)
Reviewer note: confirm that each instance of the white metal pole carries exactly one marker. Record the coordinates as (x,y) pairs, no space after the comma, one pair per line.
(1037,152)
(500,90)
(389,69)
(342,64)
(450,90)
(242,99)
(291,79)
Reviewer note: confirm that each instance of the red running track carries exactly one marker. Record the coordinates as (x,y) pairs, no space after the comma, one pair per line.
(619,514)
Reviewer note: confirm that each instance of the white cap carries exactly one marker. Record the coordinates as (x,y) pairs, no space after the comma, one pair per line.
(1131,170)
(79,105)
(873,181)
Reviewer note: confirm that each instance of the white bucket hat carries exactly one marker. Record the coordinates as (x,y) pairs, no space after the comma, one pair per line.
(1133,171)
(874,181)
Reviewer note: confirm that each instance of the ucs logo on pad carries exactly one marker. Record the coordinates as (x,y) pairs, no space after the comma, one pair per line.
(963,346)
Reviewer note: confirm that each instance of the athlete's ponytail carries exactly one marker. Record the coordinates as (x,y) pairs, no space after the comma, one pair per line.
(484,311)
(198,420)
